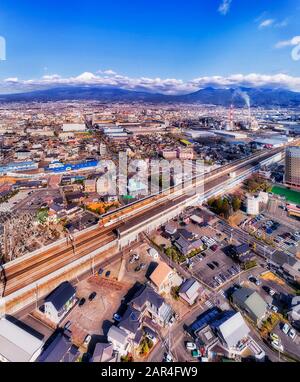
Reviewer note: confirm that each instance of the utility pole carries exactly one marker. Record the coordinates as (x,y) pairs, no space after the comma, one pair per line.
(36,295)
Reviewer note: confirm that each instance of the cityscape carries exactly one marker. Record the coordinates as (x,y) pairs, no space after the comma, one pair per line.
(145,220)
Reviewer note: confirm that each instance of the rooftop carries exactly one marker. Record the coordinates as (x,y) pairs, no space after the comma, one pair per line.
(16,344)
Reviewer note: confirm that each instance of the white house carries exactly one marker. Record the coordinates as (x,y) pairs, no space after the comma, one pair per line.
(58,303)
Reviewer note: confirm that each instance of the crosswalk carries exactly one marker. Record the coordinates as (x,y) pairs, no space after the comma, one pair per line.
(209,304)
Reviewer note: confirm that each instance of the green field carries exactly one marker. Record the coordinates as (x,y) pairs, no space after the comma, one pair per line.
(290,195)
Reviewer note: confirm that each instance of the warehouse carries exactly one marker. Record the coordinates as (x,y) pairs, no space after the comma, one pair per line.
(17,344)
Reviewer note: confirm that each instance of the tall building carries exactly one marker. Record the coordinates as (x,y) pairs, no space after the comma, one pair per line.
(292,166)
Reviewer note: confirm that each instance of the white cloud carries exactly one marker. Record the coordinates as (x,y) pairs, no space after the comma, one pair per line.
(224,7)
(282,24)
(154,85)
(292,42)
(266,23)
(11,79)
(109,72)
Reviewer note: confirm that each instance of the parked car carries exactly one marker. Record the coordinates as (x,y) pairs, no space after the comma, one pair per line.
(286,328)
(92,296)
(151,337)
(117,317)
(81,301)
(67,325)
(271,292)
(277,345)
(292,333)
(168,358)
(107,274)
(87,340)
(214,247)
(254,280)
(274,336)
(42,308)
(190,346)
(100,271)
(210,266)
(274,308)
(216,263)
(196,353)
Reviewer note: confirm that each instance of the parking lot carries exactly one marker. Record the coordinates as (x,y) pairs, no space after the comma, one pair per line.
(290,345)
(214,268)
(96,316)
(267,227)
(10,204)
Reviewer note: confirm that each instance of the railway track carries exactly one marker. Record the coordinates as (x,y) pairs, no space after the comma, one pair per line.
(36,267)
(24,275)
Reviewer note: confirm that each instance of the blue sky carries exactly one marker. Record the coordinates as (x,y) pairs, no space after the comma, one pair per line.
(142,44)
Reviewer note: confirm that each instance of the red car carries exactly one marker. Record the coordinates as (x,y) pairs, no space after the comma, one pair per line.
(214,247)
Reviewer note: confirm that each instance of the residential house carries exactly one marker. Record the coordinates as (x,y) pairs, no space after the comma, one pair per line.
(242,253)
(285,266)
(251,302)
(58,303)
(147,301)
(232,329)
(119,340)
(186,242)
(61,349)
(190,291)
(294,312)
(90,185)
(131,323)
(104,352)
(163,278)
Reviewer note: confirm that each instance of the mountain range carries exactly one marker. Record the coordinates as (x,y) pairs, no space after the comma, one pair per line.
(215,96)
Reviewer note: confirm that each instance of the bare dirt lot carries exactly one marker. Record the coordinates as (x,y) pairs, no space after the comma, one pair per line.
(94,317)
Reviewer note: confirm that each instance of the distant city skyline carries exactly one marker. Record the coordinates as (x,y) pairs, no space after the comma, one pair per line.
(169,47)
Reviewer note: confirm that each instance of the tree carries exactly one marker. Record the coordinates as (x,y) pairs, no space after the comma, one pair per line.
(225,209)
(211,202)
(236,203)
(174,292)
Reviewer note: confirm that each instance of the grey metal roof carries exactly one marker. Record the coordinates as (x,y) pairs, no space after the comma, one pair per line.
(251,300)
(59,296)
(130,320)
(233,330)
(147,294)
(16,344)
(117,334)
(190,287)
(57,350)
(103,352)
(242,248)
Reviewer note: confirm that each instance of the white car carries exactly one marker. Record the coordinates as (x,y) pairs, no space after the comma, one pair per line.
(153,253)
(277,345)
(286,328)
(190,346)
(87,340)
(272,292)
(168,358)
(292,333)
(274,308)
